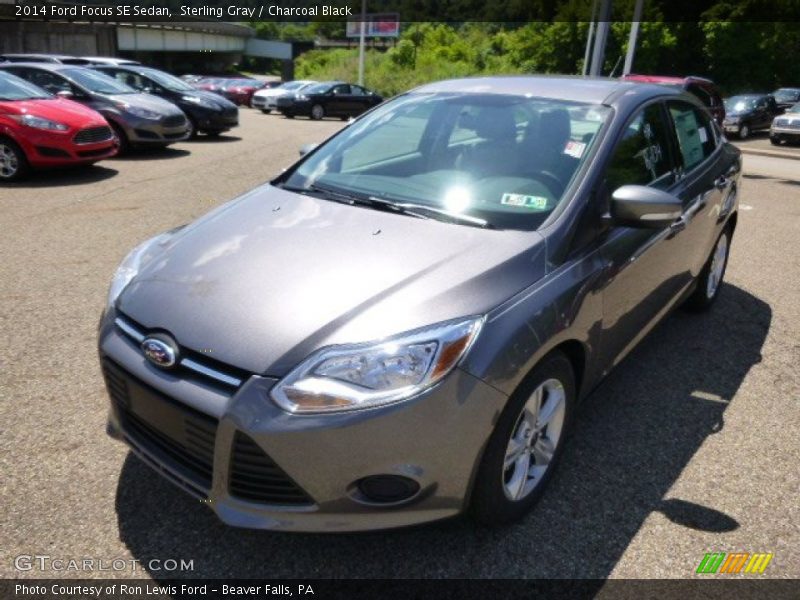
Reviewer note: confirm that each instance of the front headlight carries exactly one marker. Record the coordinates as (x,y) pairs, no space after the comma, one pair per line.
(143,113)
(130,265)
(350,377)
(199,101)
(40,123)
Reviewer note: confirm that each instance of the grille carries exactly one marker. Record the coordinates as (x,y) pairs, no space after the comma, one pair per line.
(174,121)
(52,152)
(93,135)
(188,448)
(194,363)
(255,477)
(787,123)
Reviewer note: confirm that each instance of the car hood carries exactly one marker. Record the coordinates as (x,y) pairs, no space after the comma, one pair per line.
(266,279)
(214,99)
(56,109)
(149,102)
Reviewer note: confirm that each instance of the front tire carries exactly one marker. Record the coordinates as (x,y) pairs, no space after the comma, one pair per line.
(13,162)
(710,280)
(526,444)
(122,139)
(744,132)
(317,112)
(266,111)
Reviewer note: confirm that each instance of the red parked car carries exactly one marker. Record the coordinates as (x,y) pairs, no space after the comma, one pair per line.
(240,91)
(38,129)
(705,89)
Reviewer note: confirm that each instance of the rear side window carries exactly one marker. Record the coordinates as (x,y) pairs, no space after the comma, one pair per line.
(694,132)
(642,156)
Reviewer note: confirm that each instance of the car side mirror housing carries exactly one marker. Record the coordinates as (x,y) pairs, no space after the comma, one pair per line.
(306,148)
(642,206)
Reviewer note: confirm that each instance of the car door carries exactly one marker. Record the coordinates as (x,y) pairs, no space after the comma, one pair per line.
(339,100)
(705,180)
(645,267)
(763,116)
(361,100)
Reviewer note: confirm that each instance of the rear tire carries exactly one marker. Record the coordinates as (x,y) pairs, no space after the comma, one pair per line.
(775,141)
(13,162)
(710,279)
(526,444)
(266,111)
(288,115)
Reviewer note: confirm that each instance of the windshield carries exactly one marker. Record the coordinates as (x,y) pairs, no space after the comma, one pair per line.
(740,103)
(14,88)
(97,82)
(794,109)
(785,95)
(501,159)
(168,81)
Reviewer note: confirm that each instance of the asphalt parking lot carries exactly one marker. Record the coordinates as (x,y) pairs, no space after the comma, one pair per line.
(690,446)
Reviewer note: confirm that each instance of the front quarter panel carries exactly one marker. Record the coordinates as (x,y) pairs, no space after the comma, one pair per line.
(564,306)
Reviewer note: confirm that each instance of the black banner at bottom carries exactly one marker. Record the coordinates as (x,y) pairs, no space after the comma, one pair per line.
(409,589)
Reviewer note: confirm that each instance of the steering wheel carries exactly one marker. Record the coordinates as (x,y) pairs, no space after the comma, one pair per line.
(551,180)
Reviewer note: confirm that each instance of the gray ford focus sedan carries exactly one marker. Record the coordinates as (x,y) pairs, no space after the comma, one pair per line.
(400,327)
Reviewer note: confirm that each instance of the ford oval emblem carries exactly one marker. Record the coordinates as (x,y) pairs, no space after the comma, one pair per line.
(160,351)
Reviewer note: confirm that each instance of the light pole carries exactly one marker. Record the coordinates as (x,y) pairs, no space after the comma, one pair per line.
(637,17)
(599,53)
(361,40)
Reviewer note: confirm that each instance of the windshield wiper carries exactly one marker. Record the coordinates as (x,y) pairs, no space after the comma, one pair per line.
(412,209)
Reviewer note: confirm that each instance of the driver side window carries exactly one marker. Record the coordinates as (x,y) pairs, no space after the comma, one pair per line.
(642,155)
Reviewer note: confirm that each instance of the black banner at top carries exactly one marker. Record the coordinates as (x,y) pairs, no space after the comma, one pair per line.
(502,11)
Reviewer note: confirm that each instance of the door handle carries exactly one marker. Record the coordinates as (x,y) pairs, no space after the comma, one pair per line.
(678,226)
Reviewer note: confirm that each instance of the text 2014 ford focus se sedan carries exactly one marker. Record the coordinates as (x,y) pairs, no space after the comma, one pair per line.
(400,327)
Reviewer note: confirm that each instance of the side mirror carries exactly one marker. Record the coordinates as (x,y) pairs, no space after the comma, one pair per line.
(306,148)
(642,206)
(65,94)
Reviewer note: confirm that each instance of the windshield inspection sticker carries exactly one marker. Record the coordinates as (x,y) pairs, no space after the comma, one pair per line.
(574,149)
(523,201)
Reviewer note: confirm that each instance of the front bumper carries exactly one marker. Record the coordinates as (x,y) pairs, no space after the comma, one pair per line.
(435,439)
(167,130)
(785,133)
(47,149)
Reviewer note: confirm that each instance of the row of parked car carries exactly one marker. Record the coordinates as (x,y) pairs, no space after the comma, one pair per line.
(57,112)
(743,114)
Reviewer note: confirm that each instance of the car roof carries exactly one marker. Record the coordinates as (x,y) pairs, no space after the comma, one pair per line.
(45,66)
(590,90)
(34,56)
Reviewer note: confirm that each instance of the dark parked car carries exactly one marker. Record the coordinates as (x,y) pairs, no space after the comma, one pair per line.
(786,97)
(479,254)
(208,113)
(39,130)
(748,113)
(137,119)
(329,99)
(786,128)
(706,90)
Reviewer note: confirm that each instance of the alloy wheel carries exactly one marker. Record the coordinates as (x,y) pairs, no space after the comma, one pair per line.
(717,267)
(9,162)
(534,440)
(317,112)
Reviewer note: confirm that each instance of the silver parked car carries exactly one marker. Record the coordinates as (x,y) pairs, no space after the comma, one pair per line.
(137,119)
(399,327)
(267,100)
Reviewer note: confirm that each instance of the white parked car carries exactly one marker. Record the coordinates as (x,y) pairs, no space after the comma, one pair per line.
(267,99)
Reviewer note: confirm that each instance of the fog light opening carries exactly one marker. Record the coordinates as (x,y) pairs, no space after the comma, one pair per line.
(386,489)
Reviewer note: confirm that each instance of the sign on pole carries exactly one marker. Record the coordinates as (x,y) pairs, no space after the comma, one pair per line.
(377,25)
